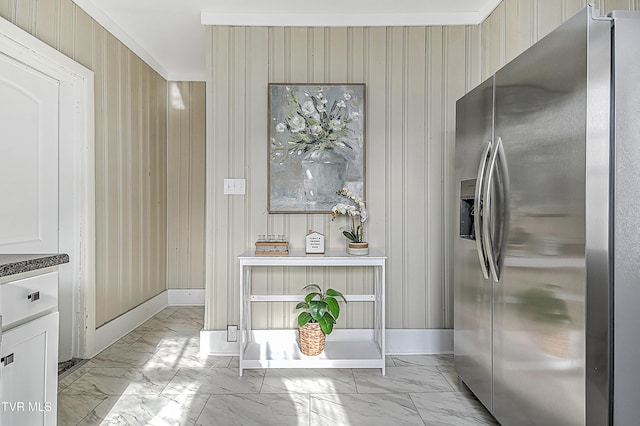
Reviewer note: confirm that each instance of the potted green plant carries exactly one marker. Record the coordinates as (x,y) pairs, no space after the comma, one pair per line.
(356,210)
(320,312)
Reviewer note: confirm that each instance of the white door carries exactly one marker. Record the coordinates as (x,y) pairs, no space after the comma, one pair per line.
(28,160)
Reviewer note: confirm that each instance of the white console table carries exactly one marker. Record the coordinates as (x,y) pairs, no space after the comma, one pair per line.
(353,351)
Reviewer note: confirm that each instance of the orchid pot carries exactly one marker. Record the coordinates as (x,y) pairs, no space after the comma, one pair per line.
(357,214)
(357,249)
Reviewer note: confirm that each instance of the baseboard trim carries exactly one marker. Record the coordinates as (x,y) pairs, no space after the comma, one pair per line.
(115,329)
(110,332)
(398,341)
(186,296)
(214,342)
(411,341)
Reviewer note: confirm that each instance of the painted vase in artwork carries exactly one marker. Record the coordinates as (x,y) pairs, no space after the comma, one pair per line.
(323,175)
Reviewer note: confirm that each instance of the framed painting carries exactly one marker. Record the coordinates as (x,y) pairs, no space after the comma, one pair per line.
(316,145)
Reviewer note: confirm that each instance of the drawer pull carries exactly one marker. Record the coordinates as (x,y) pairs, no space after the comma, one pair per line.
(34,296)
(6,360)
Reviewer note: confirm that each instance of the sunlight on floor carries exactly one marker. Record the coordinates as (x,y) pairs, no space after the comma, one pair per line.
(155,375)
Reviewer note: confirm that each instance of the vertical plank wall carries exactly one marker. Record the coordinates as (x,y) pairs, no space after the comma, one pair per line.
(186,185)
(130,149)
(516,24)
(413,77)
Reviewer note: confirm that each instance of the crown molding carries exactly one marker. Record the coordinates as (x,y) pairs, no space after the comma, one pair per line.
(487,10)
(110,25)
(295,19)
(276,15)
(281,13)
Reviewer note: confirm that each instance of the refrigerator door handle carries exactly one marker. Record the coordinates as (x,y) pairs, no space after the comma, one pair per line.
(486,231)
(478,218)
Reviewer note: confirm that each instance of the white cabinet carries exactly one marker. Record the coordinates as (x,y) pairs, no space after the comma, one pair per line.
(343,349)
(29,349)
(30,373)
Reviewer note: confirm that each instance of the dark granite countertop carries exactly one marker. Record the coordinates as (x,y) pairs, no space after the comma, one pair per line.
(11,264)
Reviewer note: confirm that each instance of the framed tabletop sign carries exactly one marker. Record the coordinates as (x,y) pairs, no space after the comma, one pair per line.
(316,145)
(314,242)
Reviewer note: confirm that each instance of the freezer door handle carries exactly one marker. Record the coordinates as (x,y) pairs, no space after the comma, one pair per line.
(495,260)
(478,217)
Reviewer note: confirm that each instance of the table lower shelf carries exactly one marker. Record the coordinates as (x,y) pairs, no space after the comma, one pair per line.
(336,354)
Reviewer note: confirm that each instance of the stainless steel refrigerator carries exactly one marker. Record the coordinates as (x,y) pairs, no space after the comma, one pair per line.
(547,253)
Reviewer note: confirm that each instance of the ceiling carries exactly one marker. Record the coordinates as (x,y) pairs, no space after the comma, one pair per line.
(170,35)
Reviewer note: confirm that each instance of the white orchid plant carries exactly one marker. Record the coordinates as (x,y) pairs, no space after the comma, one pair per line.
(355,209)
(315,123)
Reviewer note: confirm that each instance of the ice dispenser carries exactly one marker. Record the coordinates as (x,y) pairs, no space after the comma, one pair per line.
(467,200)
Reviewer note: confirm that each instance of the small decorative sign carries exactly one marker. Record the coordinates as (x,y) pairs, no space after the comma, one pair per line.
(314,242)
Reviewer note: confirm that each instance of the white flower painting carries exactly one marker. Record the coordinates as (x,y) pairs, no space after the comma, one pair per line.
(316,145)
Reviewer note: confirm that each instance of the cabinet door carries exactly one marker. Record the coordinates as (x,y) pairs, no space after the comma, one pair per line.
(29,160)
(30,373)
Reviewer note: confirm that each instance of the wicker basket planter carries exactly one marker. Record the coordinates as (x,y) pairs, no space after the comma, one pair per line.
(320,309)
(312,339)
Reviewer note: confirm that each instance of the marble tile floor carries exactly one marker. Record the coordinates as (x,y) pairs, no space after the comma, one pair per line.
(155,376)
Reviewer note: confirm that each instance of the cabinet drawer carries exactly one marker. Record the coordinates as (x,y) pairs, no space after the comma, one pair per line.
(28,298)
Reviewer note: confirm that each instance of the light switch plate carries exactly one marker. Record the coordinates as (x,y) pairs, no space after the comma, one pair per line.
(234,186)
